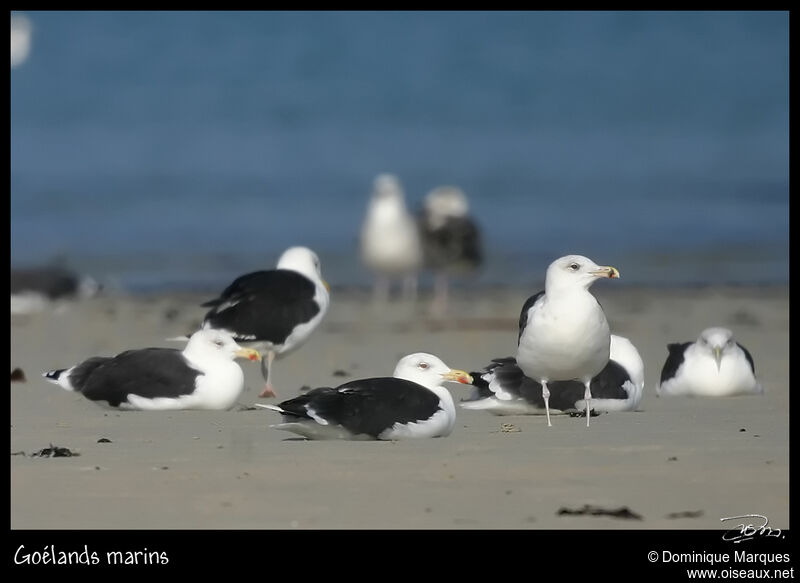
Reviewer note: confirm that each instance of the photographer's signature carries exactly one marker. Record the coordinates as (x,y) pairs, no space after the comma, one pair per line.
(752,526)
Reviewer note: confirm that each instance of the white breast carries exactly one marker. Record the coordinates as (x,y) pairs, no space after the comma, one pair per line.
(440,424)
(567,338)
(698,375)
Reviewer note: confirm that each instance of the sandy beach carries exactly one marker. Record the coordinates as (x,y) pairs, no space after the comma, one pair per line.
(678,463)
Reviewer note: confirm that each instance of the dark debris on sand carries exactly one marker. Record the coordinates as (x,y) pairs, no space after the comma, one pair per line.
(685,514)
(588,510)
(582,414)
(54,451)
(17,375)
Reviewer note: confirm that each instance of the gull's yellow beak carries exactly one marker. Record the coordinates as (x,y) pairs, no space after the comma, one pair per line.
(458,376)
(327,287)
(248,353)
(606,271)
(718,356)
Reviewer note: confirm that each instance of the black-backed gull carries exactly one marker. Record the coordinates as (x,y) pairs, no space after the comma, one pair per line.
(275,310)
(715,365)
(451,240)
(411,403)
(202,376)
(503,389)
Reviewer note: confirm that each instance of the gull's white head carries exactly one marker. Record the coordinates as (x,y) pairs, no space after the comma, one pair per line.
(388,199)
(302,260)
(386,185)
(717,342)
(445,202)
(428,370)
(575,271)
(215,344)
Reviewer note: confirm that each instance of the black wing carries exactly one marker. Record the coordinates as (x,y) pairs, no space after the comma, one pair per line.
(455,245)
(264,305)
(674,359)
(367,406)
(748,357)
(607,384)
(482,385)
(511,378)
(563,394)
(81,373)
(523,315)
(148,372)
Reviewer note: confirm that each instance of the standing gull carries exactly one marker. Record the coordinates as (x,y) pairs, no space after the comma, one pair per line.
(390,239)
(715,365)
(563,331)
(274,311)
(202,376)
(451,239)
(412,403)
(503,389)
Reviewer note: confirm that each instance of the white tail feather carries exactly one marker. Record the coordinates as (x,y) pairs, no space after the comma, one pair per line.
(59,377)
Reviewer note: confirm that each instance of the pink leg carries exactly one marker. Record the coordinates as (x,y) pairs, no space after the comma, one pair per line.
(266,372)
(440,295)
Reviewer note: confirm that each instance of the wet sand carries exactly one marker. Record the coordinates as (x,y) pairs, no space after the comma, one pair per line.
(678,463)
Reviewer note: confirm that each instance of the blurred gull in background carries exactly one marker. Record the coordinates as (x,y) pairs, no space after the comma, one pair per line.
(34,288)
(451,240)
(390,240)
(20,39)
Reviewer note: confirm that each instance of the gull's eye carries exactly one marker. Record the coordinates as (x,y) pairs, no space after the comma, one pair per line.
(574,266)
(423,365)
(218,342)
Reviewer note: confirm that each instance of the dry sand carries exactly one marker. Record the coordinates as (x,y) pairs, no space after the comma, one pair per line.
(678,463)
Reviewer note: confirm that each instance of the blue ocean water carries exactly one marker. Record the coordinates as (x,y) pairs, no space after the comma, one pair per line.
(179,149)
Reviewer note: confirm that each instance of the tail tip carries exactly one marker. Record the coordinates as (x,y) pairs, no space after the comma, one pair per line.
(57,377)
(52,375)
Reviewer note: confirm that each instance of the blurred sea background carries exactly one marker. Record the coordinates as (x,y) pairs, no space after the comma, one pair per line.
(176,150)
